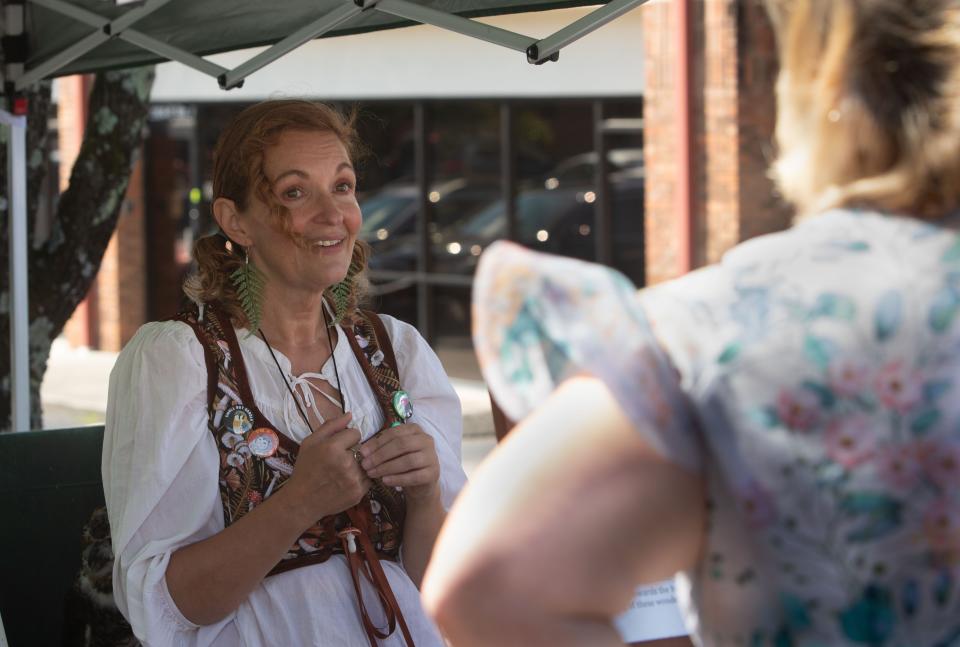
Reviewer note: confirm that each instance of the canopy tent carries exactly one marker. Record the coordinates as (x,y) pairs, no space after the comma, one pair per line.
(73,36)
(48,38)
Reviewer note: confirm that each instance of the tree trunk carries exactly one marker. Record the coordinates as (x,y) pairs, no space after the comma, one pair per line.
(62,267)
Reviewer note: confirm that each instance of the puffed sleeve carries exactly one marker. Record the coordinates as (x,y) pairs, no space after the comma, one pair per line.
(436,407)
(160,476)
(539,319)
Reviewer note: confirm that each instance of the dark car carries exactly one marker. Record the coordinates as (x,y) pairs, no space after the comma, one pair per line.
(390,215)
(558,221)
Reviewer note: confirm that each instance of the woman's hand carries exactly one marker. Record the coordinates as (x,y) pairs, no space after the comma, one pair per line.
(327,478)
(404,456)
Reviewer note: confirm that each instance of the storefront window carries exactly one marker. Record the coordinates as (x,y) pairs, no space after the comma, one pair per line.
(550,159)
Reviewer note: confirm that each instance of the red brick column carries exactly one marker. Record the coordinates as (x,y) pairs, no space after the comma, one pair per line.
(122,277)
(659,139)
(733,62)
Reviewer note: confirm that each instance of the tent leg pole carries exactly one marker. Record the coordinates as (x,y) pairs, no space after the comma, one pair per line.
(19,296)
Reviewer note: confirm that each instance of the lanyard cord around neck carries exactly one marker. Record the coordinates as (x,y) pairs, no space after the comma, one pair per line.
(286,381)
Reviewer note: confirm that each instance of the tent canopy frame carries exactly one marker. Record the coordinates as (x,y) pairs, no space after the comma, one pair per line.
(536,51)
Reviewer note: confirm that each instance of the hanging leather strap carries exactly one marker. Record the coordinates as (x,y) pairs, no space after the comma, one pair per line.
(363,559)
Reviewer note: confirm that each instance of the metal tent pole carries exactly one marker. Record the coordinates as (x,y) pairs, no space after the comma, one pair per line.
(19,297)
(455,23)
(542,50)
(107,30)
(233,78)
(603,202)
(128,34)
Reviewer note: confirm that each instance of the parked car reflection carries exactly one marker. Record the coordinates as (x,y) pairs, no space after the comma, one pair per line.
(559,221)
(391,213)
(581,169)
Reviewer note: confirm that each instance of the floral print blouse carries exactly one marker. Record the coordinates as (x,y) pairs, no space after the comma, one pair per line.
(812,378)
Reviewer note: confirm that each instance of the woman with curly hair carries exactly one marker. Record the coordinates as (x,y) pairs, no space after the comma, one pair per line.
(277,460)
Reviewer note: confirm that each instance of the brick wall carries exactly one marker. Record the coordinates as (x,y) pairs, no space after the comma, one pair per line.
(121,283)
(733,70)
(659,140)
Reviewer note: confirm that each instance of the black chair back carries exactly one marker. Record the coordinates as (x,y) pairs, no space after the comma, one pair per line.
(49,484)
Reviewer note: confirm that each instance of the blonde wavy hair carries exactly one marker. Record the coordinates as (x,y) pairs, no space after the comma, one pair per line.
(869,104)
(238,175)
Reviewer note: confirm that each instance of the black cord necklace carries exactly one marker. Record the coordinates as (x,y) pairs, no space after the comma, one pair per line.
(286,381)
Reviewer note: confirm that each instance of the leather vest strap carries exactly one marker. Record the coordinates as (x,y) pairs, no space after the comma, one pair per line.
(362,559)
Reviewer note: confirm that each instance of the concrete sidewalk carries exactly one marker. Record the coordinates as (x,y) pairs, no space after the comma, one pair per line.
(74,393)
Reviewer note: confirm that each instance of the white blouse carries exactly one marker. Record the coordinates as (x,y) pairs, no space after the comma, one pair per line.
(812,379)
(160,477)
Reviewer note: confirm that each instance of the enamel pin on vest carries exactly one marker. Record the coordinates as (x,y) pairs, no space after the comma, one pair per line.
(401,406)
(239,419)
(263,442)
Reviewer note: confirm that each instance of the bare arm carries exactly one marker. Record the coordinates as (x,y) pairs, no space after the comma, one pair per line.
(209,579)
(549,541)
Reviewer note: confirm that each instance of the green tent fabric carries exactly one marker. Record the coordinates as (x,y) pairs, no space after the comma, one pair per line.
(211,26)
(72,36)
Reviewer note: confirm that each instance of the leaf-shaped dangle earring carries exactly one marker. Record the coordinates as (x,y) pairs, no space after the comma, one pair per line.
(249,281)
(342,293)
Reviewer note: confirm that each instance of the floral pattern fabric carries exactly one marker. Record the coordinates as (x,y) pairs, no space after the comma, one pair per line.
(813,379)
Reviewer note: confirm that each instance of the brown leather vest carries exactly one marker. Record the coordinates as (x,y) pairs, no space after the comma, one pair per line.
(247,479)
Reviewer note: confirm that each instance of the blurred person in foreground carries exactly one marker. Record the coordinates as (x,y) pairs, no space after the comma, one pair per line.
(277,462)
(781,429)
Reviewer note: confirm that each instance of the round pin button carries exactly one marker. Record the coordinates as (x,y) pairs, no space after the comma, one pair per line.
(402,405)
(239,419)
(263,442)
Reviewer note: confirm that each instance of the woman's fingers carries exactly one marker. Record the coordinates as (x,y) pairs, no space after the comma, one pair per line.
(425,476)
(401,464)
(332,426)
(338,438)
(404,456)
(345,439)
(393,442)
(383,437)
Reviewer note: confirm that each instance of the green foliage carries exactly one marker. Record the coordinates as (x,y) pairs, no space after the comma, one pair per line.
(249,282)
(342,293)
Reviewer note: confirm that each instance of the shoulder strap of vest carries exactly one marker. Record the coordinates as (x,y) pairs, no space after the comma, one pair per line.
(189,317)
(221,351)
(373,348)
(383,340)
